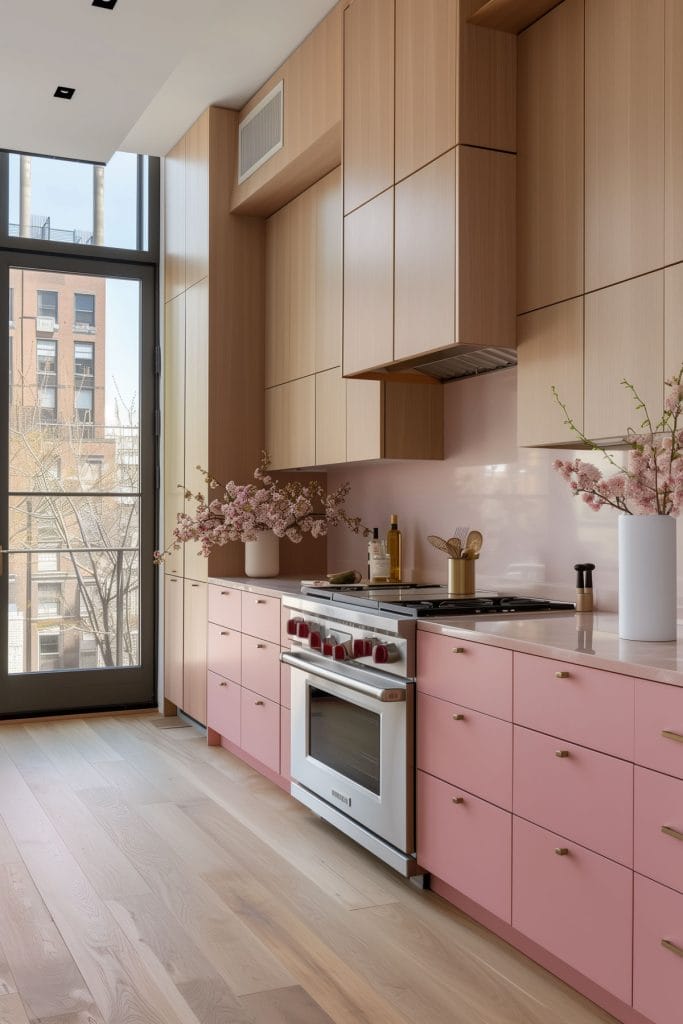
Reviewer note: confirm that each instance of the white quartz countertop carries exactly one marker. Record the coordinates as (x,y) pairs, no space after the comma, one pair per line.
(278,586)
(583,639)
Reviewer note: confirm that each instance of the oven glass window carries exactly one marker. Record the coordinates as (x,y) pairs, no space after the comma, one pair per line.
(345,738)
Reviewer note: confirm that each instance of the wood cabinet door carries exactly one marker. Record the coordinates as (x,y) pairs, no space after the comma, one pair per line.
(194,652)
(328,271)
(368,100)
(330,417)
(196,410)
(426,62)
(174,424)
(475,675)
(197,200)
(369,285)
(624,139)
(364,420)
(290,424)
(174,220)
(673,149)
(173,640)
(549,353)
(550,158)
(624,339)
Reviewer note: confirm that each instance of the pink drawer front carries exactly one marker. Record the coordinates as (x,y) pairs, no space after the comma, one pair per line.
(576,905)
(225,606)
(285,686)
(285,743)
(467,749)
(658,851)
(223,707)
(261,667)
(474,675)
(585,705)
(466,842)
(583,795)
(659,727)
(261,616)
(224,652)
(260,728)
(657,968)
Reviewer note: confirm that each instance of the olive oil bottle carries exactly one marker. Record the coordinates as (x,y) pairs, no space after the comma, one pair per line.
(395,550)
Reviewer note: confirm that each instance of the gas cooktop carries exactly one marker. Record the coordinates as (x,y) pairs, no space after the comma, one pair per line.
(424,600)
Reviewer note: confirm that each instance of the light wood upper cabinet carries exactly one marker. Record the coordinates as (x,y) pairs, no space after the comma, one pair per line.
(549,352)
(369,284)
(290,423)
(194,650)
(174,424)
(624,139)
(364,420)
(673,109)
(173,640)
(368,100)
(624,340)
(393,420)
(197,200)
(673,320)
(330,417)
(328,271)
(426,62)
(486,84)
(174,220)
(550,158)
(197,424)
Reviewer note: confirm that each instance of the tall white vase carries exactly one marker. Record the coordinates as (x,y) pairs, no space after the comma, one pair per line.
(647,577)
(262,556)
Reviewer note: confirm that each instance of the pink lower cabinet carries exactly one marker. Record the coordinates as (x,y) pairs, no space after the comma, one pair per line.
(658,849)
(657,952)
(465,842)
(575,904)
(261,616)
(285,743)
(474,675)
(260,728)
(223,707)
(285,686)
(465,748)
(224,654)
(261,666)
(659,727)
(225,606)
(583,795)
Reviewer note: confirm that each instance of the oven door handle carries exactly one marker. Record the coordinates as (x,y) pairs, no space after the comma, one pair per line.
(378,691)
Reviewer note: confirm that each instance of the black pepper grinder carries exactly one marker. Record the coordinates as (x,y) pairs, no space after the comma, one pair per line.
(584,586)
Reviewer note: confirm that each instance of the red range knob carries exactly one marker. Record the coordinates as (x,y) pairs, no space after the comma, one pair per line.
(292,626)
(302,630)
(315,640)
(380,654)
(328,648)
(339,652)
(362,648)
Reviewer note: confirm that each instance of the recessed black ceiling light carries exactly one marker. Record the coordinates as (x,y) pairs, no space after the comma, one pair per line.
(108,5)
(64,92)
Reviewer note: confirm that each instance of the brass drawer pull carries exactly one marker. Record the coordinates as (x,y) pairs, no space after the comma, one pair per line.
(225,632)
(458,718)
(676,736)
(673,832)
(261,647)
(259,703)
(458,799)
(562,675)
(260,600)
(458,650)
(225,593)
(222,683)
(562,851)
(195,585)
(672,947)
(561,753)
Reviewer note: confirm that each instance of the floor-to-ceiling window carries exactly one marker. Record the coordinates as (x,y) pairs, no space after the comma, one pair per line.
(78,394)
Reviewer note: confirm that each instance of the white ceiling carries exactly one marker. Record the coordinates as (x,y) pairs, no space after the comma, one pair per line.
(142,72)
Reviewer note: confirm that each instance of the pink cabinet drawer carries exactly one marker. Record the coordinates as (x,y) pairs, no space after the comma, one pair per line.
(285,686)
(261,667)
(474,675)
(585,705)
(260,728)
(285,743)
(585,796)
(224,652)
(578,905)
(465,748)
(225,606)
(658,849)
(223,707)
(261,616)
(657,968)
(659,727)
(466,842)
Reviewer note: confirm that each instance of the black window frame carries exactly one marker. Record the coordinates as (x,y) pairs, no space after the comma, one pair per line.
(39,309)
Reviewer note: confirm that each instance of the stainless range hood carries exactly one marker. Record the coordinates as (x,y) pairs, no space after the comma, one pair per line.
(468,363)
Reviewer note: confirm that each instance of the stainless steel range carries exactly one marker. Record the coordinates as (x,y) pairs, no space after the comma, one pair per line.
(352,658)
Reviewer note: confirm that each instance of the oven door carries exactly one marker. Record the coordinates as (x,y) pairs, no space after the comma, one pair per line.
(352,744)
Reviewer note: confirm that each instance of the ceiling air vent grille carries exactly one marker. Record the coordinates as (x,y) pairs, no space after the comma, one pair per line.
(260,133)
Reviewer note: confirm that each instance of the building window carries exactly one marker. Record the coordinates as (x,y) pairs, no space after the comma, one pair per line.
(84,406)
(48,649)
(47,404)
(47,363)
(87,651)
(91,471)
(84,364)
(49,600)
(84,312)
(47,305)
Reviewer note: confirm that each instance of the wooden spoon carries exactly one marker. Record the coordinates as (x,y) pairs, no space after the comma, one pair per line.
(473,544)
(439,543)
(454,545)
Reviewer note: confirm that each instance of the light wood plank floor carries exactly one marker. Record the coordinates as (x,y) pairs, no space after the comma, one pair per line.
(146,878)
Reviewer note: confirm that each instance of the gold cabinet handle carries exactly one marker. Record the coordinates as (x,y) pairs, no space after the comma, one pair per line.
(561,753)
(673,832)
(458,799)
(223,683)
(172,579)
(225,632)
(458,650)
(260,600)
(458,718)
(672,947)
(261,647)
(675,736)
(225,593)
(562,675)
(259,703)
(562,851)
(194,585)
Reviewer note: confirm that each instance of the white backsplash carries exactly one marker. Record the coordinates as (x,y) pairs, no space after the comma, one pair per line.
(534,529)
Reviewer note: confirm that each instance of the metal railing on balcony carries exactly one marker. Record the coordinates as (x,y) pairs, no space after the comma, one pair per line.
(41,228)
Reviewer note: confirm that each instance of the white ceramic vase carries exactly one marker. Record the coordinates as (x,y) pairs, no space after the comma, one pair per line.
(647,577)
(262,556)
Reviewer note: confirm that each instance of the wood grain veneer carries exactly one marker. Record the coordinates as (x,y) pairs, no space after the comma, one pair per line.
(673,112)
(330,417)
(369,284)
(174,220)
(510,15)
(194,649)
(197,201)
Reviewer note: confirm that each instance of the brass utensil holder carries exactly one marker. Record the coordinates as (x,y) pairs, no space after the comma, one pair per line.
(460,577)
